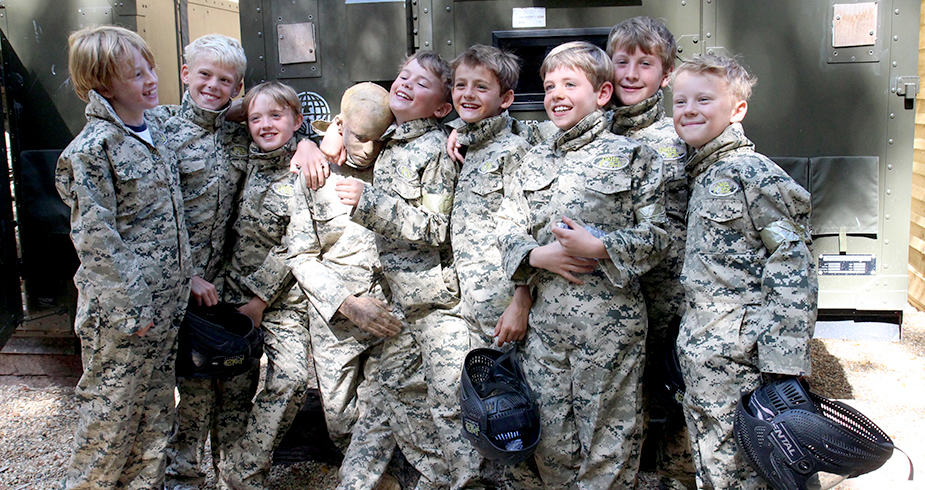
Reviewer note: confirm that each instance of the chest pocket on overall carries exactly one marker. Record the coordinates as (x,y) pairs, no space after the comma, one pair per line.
(608,201)
(133,180)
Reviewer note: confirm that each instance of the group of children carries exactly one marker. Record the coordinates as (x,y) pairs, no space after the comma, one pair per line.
(596,238)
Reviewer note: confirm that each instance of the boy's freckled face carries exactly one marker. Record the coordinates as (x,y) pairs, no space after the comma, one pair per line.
(416,93)
(477,93)
(271,125)
(638,75)
(135,91)
(569,96)
(703,107)
(211,84)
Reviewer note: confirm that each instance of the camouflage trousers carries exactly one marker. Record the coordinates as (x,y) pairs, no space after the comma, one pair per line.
(340,350)
(125,402)
(670,443)
(719,360)
(287,346)
(584,359)
(208,408)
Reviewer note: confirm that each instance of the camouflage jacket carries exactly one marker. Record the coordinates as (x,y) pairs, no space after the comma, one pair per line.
(408,206)
(748,230)
(599,179)
(263,215)
(126,219)
(331,256)
(492,156)
(212,156)
(646,123)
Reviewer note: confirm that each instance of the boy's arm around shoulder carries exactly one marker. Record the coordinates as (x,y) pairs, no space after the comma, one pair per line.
(420,212)
(110,272)
(302,250)
(635,250)
(779,209)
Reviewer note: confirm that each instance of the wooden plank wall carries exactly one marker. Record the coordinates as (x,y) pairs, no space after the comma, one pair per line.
(917,228)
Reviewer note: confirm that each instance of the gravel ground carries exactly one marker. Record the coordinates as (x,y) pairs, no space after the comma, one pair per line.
(884,380)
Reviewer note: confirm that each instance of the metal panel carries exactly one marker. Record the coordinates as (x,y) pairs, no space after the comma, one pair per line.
(10,295)
(368,26)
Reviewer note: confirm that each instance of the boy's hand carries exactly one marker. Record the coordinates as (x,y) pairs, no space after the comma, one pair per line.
(349,191)
(553,258)
(371,315)
(203,292)
(512,325)
(236,112)
(332,145)
(143,331)
(311,162)
(578,241)
(454,148)
(254,310)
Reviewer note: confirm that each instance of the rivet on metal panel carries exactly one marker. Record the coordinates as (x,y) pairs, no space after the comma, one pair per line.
(889,166)
(890,141)
(282,68)
(680,49)
(709,1)
(892,115)
(259,33)
(449,42)
(309,17)
(889,191)
(886,216)
(896,38)
(885,242)
(694,40)
(853,58)
(314,68)
(683,3)
(710,51)
(259,10)
(837,17)
(834,53)
(709,35)
(426,10)
(447,9)
(260,57)
(896,11)
(894,64)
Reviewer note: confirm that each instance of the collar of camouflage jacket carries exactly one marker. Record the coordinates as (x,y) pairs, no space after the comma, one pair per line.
(475,133)
(273,158)
(411,129)
(638,116)
(581,133)
(731,139)
(201,117)
(100,108)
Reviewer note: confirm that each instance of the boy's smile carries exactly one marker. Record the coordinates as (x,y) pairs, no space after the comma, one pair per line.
(638,76)
(271,125)
(416,94)
(477,93)
(211,84)
(134,91)
(570,96)
(703,107)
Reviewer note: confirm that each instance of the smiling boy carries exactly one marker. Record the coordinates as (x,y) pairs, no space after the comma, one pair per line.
(212,155)
(122,186)
(580,225)
(748,272)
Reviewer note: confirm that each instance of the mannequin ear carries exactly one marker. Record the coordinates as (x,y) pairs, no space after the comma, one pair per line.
(507,99)
(738,111)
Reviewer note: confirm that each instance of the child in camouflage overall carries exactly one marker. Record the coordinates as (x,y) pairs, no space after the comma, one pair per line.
(581,223)
(748,273)
(123,188)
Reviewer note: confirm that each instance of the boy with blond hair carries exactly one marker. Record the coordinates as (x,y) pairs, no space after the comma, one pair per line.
(127,226)
(408,206)
(581,224)
(260,281)
(212,155)
(748,272)
(643,52)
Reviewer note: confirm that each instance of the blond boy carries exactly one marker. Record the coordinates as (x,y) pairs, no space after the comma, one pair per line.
(212,155)
(584,354)
(127,226)
(748,273)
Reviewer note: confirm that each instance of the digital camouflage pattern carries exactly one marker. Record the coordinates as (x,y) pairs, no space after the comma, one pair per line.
(408,206)
(127,227)
(212,155)
(333,258)
(647,123)
(493,154)
(584,355)
(752,309)
(257,269)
